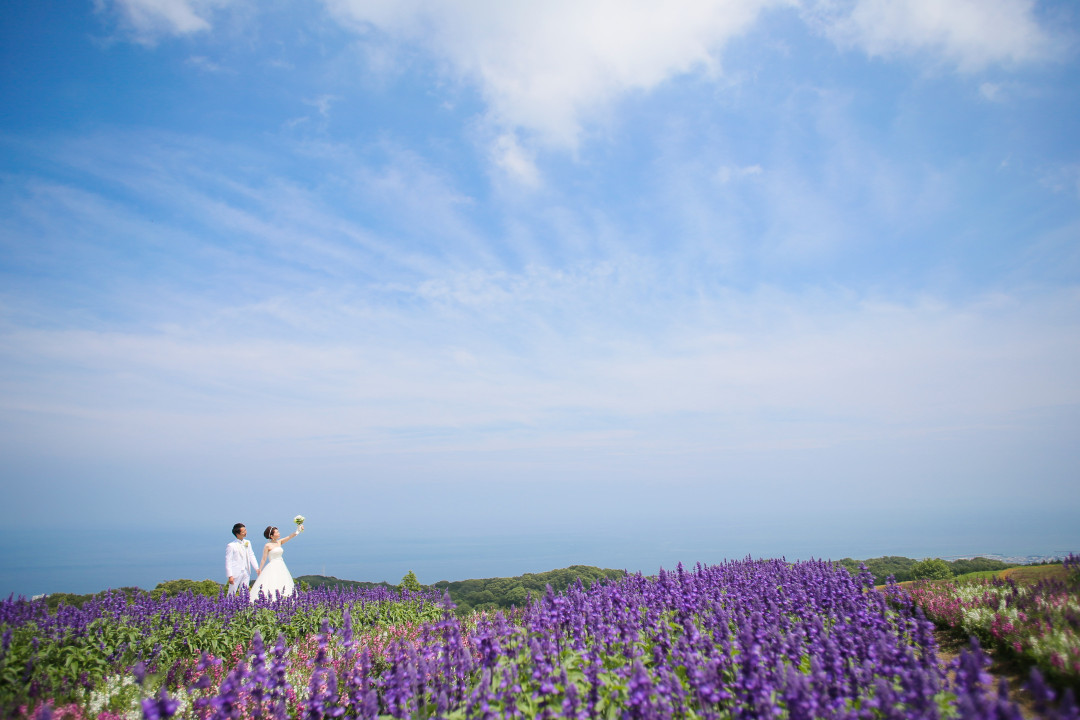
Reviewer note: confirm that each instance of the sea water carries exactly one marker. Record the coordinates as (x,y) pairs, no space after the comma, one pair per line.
(118,557)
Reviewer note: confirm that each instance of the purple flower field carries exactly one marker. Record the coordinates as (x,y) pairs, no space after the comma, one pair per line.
(748,639)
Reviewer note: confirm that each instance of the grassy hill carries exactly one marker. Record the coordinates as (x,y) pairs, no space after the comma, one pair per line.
(901,567)
(1035,573)
(981,575)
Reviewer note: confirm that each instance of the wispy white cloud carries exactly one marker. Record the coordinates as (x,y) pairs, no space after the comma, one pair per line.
(205,64)
(550,74)
(323,103)
(269,318)
(743,373)
(548,69)
(991,91)
(148,20)
(969,35)
(728,173)
(1063,179)
(235,204)
(515,161)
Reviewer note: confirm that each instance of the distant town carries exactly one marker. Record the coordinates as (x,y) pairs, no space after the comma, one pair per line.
(1013,559)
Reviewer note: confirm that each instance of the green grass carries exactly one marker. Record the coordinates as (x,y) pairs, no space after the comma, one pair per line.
(980,575)
(1020,574)
(1035,573)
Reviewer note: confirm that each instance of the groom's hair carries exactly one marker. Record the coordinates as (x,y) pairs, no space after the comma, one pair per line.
(237,528)
(269,531)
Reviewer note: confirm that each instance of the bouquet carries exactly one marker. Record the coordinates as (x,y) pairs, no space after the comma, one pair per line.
(299,520)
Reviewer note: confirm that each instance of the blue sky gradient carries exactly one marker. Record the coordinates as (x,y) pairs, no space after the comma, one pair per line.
(610,283)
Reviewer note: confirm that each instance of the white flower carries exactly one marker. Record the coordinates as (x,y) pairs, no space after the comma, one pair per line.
(299,519)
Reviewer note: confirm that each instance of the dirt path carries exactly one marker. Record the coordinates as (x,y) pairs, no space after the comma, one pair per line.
(949,646)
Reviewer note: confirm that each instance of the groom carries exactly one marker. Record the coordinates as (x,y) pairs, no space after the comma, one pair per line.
(238,556)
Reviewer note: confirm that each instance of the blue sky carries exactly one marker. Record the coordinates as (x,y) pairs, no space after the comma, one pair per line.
(640,282)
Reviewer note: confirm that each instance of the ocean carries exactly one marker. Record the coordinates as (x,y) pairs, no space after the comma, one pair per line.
(118,557)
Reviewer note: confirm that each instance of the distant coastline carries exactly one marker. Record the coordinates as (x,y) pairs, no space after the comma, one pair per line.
(117,561)
(503,592)
(1012,559)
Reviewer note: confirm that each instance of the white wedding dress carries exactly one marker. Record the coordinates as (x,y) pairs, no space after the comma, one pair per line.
(274,578)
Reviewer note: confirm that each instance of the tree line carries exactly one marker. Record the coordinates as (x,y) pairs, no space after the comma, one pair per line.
(905,568)
(498,593)
(502,593)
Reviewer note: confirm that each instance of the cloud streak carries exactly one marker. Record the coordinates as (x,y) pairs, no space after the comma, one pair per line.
(148,20)
(545,70)
(551,75)
(968,35)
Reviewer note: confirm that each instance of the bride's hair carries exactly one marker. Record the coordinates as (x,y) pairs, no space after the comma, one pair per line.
(269,531)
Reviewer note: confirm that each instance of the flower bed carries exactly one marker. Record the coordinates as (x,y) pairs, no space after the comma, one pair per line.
(70,655)
(750,639)
(1038,623)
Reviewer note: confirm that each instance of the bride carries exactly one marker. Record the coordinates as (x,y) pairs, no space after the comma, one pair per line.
(274,577)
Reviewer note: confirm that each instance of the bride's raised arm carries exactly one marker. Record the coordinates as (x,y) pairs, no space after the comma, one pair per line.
(290,537)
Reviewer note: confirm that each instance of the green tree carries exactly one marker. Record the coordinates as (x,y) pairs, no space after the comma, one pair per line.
(55,600)
(482,597)
(516,597)
(931,569)
(978,564)
(209,588)
(851,565)
(478,594)
(409,582)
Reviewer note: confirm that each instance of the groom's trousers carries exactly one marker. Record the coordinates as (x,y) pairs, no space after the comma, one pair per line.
(240,586)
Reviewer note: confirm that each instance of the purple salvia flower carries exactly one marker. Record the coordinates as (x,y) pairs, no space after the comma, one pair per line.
(160,708)
(640,691)
(139,672)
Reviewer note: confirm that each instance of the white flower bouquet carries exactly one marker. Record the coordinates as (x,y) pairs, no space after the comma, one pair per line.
(299,520)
